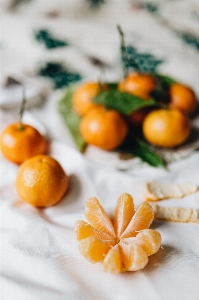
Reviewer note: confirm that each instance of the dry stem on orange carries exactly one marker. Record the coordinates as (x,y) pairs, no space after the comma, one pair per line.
(121,245)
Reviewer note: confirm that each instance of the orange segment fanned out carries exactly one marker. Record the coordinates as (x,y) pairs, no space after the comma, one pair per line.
(141,220)
(133,256)
(93,249)
(113,261)
(123,213)
(98,217)
(148,239)
(83,230)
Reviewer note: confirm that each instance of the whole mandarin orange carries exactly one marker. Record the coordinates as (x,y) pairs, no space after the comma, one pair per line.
(183,98)
(137,84)
(166,127)
(103,128)
(21,141)
(41,181)
(83,95)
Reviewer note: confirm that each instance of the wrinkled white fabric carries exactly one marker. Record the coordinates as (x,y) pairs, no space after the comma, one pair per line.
(39,257)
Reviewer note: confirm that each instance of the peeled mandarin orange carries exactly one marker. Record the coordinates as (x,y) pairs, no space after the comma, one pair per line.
(41,181)
(166,127)
(21,141)
(124,246)
(83,96)
(103,128)
(183,98)
(137,84)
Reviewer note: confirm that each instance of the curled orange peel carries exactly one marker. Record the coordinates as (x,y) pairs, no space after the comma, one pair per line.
(121,245)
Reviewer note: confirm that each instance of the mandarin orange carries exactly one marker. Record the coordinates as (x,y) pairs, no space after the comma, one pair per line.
(103,128)
(21,141)
(83,95)
(166,127)
(41,181)
(138,84)
(183,98)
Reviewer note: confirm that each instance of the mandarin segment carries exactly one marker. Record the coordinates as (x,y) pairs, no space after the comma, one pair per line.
(123,213)
(133,256)
(113,261)
(83,230)
(142,219)
(93,249)
(148,239)
(98,217)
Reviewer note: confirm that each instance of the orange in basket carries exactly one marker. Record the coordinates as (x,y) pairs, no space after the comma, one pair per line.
(121,245)
(83,96)
(41,181)
(138,84)
(183,98)
(103,128)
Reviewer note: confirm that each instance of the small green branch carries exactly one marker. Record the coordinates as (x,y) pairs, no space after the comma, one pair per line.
(122,50)
(22,109)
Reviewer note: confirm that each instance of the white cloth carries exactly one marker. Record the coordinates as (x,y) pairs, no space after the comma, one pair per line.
(39,253)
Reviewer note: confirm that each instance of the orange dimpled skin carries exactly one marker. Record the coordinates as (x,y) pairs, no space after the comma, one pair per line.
(123,245)
(41,181)
(20,142)
(166,128)
(137,84)
(82,97)
(103,128)
(183,98)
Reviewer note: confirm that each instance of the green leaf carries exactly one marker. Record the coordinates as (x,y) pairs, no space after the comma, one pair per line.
(139,148)
(71,119)
(123,102)
(166,80)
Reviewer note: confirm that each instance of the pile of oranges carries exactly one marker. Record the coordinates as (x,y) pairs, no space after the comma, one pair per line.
(167,124)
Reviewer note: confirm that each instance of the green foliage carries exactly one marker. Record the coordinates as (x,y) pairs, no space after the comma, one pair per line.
(139,148)
(150,7)
(45,37)
(58,74)
(71,119)
(123,102)
(141,62)
(190,39)
(96,3)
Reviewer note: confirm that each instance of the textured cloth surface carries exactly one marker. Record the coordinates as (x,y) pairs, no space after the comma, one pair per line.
(39,253)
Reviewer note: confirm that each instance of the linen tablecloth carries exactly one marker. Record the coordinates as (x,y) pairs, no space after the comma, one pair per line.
(39,252)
